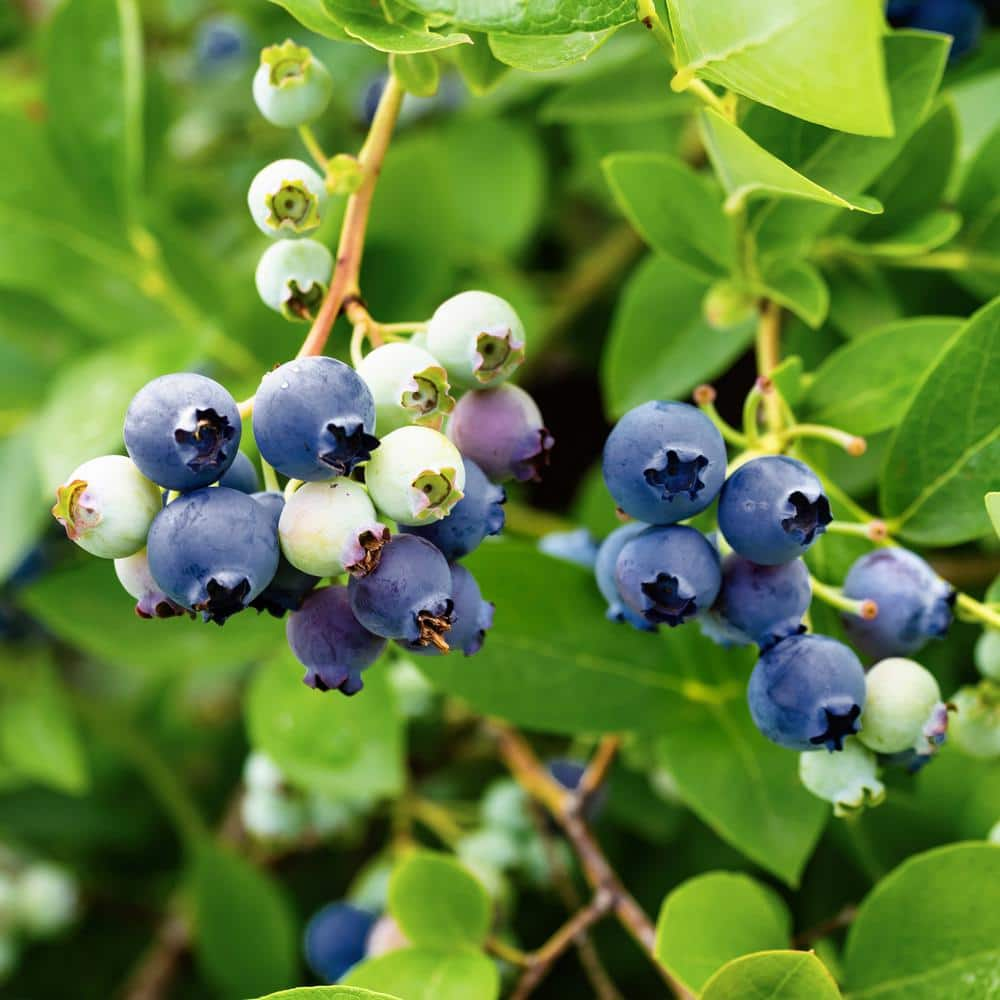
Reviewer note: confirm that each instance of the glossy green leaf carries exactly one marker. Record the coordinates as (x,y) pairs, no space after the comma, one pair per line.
(480,69)
(776,975)
(528,17)
(713,918)
(322,740)
(992,501)
(974,101)
(314,15)
(395,36)
(437,903)
(920,236)
(862,300)
(22,509)
(930,929)
(865,386)
(328,993)
(945,454)
(771,51)
(799,287)
(245,935)
(748,170)
(539,53)
(418,74)
(424,974)
(660,345)
(674,210)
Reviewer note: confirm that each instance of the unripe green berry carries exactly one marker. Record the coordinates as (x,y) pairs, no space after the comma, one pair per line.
(478,338)
(47,899)
(408,386)
(291,86)
(496,848)
(994,835)
(151,602)
(726,304)
(261,773)
(272,815)
(107,506)
(902,699)
(292,277)
(848,779)
(987,654)
(416,475)
(975,721)
(287,198)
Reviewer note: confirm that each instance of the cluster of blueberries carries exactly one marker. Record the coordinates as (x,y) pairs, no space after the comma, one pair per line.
(665,462)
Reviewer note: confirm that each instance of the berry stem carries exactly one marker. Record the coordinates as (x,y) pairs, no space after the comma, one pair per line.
(358,335)
(851,443)
(834,596)
(975,610)
(768,351)
(309,140)
(270,477)
(704,397)
(646,12)
(874,530)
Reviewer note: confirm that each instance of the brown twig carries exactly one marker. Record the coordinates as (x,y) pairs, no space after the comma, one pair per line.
(768,350)
(844,918)
(598,768)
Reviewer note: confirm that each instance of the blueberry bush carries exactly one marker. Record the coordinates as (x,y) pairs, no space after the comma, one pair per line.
(534,471)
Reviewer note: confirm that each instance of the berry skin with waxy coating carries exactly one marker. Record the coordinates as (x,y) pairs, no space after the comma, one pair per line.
(134,575)
(331,527)
(287,198)
(914,603)
(903,709)
(604,572)
(472,617)
(478,337)
(289,586)
(501,430)
(479,513)
(241,475)
(291,86)
(335,938)
(668,574)
(106,506)
(763,603)
(408,385)
(408,595)
(292,277)
(975,724)
(664,462)
(183,431)
(807,692)
(213,551)
(314,418)
(772,509)
(848,779)
(330,643)
(416,476)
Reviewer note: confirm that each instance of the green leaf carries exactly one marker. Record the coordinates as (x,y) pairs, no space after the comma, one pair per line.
(321,740)
(389,36)
(94,100)
(978,113)
(771,51)
(245,936)
(315,15)
(417,74)
(920,236)
(862,299)
(931,928)
(713,918)
(799,287)
(747,169)
(944,455)
(328,993)
(776,975)
(528,17)
(480,69)
(538,53)
(674,210)
(21,509)
(661,346)
(866,385)
(437,903)
(992,501)
(423,974)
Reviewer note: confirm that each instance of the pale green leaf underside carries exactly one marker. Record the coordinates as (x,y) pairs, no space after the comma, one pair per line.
(920,236)
(538,53)
(799,287)
(424,974)
(992,501)
(529,17)
(773,975)
(328,993)
(395,37)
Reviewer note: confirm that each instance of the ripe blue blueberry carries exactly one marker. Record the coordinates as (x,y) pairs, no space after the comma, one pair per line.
(289,586)
(291,86)
(772,509)
(287,198)
(213,551)
(221,45)
(241,475)
(764,603)
(604,571)
(664,462)
(807,692)
(409,386)
(408,595)
(668,574)
(576,546)
(479,513)
(501,430)
(292,277)
(314,418)
(903,709)
(962,19)
(183,431)
(134,575)
(335,939)
(914,603)
(330,643)
(472,617)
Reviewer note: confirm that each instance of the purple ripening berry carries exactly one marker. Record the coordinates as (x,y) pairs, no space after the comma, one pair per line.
(472,617)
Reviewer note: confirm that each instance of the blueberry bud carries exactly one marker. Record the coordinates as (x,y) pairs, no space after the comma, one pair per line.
(472,617)
(292,277)
(903,708)
(335,939)
(134,575)
(848,779)
(501,430)
(408,386)
(287,198)
(291,86)
(604,572)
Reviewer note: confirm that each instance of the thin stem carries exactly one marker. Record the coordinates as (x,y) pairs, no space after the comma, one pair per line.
(978,611)
(391,329)
(751,409)
(768,351)
(290,487)
(646,12)
(874,531)
(531,523)
(850,443)
(843,918)
(508,953)
(705,93)
(270,477)
(358,335)
(834,596)
(437,819)
(599,767)
(704,397)
(309,140)
(944,260)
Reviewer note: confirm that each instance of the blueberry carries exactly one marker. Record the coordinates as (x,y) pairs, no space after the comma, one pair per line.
(329,528)
(183,431)
(668,574)
(408,595)
(106,506)
(806,692)
(287,198)
(291,86)
(289,586)
(134,575)
(335,938)
(314,419)
(848,779)
(772,509)
(764,603)
(241,475)
(664,462)
(213,551)
(962,19)
(221,45)
(501,430)
(576,546)
(292,277)
(416,476)
(472,617)
(409,386)
(478,337)
(903,709)
(914,603)
(330,643)
(604,571)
